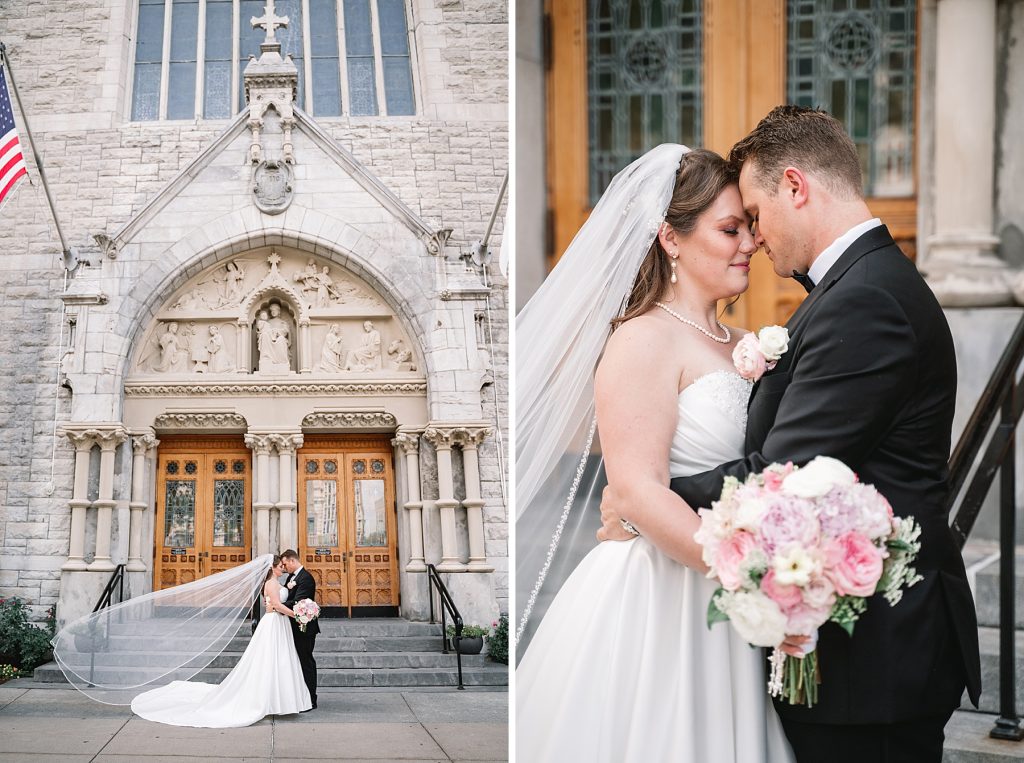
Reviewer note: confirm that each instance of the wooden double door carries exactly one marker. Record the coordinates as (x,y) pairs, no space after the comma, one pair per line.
(347,525)
(203,508)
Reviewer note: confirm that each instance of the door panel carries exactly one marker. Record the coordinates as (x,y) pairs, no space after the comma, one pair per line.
(203,507)
(347,514)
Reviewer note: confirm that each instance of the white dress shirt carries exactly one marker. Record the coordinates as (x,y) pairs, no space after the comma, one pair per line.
(835,250)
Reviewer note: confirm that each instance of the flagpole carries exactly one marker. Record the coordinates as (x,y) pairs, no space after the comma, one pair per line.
(69,258)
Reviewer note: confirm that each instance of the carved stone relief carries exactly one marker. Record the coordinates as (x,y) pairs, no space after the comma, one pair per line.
(276,312)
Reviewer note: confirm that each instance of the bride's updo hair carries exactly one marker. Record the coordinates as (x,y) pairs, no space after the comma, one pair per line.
(701,177)
(274,562)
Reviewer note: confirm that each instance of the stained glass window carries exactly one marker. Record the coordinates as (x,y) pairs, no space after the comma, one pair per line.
(376,66)
(644,80)
(321,513)
(228,516)
(855,59)
(371,520)
(180,513)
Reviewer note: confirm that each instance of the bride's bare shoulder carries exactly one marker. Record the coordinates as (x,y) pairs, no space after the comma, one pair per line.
(640,346)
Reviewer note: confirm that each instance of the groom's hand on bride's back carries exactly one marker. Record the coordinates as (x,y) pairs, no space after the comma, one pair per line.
(611,518)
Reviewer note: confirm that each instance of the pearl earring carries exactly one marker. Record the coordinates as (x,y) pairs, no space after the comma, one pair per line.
(674,256)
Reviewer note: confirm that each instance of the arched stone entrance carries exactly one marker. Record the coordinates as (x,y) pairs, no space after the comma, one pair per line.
(270,386)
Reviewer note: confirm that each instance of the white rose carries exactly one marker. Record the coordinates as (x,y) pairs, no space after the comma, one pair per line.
(774,341)
(749,513)
(818,477)
(757,619)
(795,567)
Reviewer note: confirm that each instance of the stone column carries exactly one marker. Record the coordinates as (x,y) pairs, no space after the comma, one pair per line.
(469,439)
(286,505)
(305,347)
(83,442)
(142,444)
(108,440)
(409,442)
(261,445)
(961,264)
(441,439)
(243,348)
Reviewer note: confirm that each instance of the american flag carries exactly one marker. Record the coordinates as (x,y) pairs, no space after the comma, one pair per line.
(12,162)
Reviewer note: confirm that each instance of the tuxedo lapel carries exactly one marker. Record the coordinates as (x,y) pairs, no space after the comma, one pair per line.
(874,239)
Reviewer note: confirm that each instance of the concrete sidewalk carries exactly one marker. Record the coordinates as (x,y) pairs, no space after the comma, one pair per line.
(61,724)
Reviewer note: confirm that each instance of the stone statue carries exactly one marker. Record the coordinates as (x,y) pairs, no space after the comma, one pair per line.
(310,279)
(231,283)
(273,340)
(401,356)
(173,351)
(331,355)
(326,290)
(367,357)
(220,361)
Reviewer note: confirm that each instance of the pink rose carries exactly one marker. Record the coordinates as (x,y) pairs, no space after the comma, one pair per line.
(773,480)
(786,596)
(819,593)
(748,358)
(859,567)
(803,620)
(731,554)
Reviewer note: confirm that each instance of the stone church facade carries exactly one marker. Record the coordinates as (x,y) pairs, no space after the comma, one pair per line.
(276,335)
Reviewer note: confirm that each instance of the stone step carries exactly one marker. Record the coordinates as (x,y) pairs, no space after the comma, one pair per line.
(988,644)
(967,741)
(342,660)
(478,674)
(390,627)
(987,593)
(324,643)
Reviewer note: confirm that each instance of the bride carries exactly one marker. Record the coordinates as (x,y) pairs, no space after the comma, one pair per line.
(266,681)
(623,667)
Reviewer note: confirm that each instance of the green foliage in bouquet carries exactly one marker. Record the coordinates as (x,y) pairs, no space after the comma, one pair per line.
(22,644)
(497,642)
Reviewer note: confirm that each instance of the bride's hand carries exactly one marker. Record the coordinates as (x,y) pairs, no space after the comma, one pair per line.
(611,520)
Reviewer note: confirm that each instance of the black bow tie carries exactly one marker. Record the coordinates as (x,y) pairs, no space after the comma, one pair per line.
(804,280)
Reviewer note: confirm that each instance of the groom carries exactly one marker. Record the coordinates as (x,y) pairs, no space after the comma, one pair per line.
(301,585)
(869,378)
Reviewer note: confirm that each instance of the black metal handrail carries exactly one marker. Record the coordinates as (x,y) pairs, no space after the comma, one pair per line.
(105,601)
(116,581)
(447,605)
(1003,394)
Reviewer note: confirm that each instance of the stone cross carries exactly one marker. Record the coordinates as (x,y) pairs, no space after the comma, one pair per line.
(269,21)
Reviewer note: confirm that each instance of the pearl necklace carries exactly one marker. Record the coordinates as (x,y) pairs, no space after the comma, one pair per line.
(701,329)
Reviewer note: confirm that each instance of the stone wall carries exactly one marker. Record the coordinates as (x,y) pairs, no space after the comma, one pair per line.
(72,64)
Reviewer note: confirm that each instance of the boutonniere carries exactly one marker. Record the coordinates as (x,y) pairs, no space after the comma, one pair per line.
(291,584)
(758,353)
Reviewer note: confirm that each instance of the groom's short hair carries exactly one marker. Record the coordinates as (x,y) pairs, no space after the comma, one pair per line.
(810,139)
(289,554)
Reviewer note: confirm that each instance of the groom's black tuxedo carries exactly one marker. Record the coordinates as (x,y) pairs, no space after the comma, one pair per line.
(870,379)
(304,588)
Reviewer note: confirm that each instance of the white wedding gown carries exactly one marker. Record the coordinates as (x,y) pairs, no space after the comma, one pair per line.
(623,667)
(266,681)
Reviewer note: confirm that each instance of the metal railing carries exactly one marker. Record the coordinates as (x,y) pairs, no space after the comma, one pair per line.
(106,600)
(1003,394)
(447,606)
(116,582)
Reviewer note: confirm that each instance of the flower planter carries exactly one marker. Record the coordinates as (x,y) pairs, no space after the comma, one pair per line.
(469,644)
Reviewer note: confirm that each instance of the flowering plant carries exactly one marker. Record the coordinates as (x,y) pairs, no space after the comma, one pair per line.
(796,548)
(306,611)
(758,353)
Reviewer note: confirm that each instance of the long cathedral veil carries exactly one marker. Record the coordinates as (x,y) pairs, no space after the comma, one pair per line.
(150,640)
(560,335)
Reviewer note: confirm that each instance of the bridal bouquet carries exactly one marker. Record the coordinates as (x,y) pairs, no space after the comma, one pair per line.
(794,548)
(306,611)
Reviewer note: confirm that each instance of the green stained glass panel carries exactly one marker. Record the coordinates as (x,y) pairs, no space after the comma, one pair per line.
(228,516)
(180,513)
